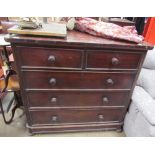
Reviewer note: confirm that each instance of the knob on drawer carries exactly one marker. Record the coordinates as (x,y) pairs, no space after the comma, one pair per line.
(51,59)
(53,100)
(54,118)
(52,81)
(115,61)
(100,117)
(110,81)
(105,100)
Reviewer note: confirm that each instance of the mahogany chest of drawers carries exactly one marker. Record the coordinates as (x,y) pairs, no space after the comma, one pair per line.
(80,83)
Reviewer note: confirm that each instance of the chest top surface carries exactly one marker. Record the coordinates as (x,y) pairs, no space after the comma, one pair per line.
(75,39)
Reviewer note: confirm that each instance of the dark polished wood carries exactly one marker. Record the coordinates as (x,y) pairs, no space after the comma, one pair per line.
(75,116)
(112,60)
(75,127)
(80,83)
(47,57)
(77,80)
(75,99)
(78,40)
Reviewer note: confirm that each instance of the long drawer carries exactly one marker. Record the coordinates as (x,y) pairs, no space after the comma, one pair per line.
(53,99)
(112,60)
(77,80)
(75,116)
(39,57)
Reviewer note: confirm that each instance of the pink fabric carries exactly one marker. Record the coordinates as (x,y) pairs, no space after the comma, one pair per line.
(108,30)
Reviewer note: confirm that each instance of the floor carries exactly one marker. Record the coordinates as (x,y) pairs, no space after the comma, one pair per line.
(17,129)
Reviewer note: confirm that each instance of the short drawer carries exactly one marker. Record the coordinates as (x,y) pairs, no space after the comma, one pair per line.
(75,116)
(76,99)
(112,60)
(40,57)
(77,80)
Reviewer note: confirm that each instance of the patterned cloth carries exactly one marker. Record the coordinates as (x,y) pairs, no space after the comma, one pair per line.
(108,30)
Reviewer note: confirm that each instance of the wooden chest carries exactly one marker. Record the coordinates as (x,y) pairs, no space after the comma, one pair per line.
(80,83)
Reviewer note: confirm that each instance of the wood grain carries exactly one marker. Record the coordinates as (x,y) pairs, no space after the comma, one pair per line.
(39,57)
(77,80)
(82,89)
(76,99)
(78,40)
(75,116)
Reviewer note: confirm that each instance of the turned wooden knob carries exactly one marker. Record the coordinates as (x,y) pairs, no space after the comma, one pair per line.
(110,81)
(51,59)
(53,100)
(52,81)
(115,61)
(100,117)
(105,100)
(54,118)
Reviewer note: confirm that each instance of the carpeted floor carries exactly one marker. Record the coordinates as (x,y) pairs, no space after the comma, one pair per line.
(17,129)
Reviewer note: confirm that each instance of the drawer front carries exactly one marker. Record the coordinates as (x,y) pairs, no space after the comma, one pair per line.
(113,60)
(49,57)
(77,99)
(75,116)
(77,80)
